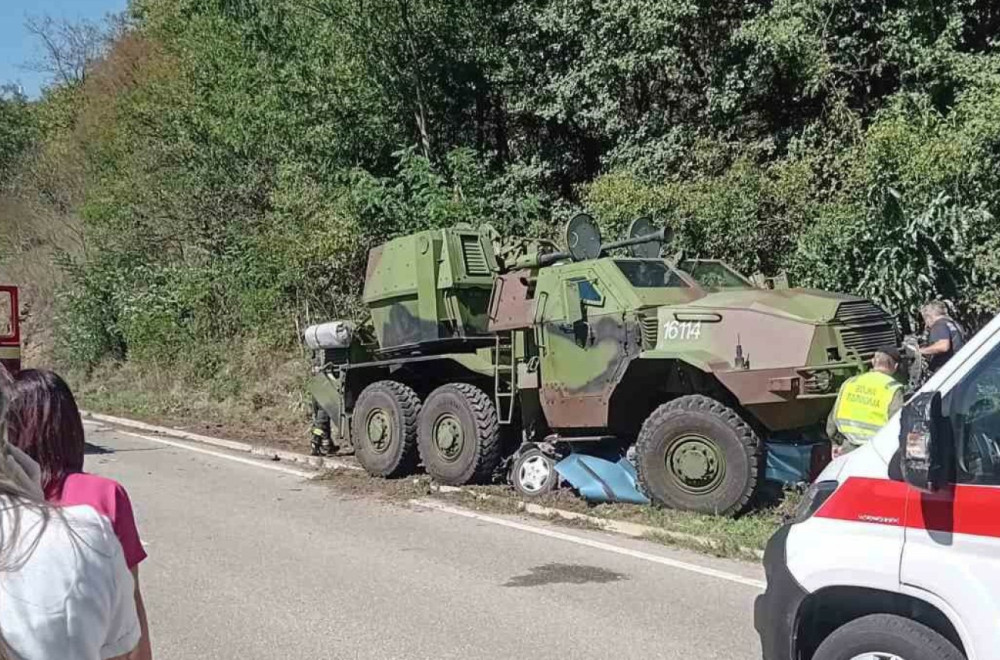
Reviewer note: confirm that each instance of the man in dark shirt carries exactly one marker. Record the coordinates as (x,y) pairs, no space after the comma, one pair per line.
(944,336)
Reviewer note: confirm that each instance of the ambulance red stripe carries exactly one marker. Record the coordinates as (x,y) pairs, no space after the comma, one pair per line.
(962,509)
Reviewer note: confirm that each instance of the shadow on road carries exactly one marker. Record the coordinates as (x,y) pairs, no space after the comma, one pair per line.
(90,449)
(565,574)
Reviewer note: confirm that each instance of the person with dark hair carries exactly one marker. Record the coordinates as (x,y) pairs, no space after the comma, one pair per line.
(65,591)
(43,421)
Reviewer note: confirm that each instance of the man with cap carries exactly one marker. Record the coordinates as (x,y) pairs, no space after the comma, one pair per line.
(865,403)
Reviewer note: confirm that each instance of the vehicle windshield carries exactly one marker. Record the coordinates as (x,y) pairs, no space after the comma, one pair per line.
(650,274)
(714,274)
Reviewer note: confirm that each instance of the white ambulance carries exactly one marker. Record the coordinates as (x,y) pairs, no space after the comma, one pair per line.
(894,553)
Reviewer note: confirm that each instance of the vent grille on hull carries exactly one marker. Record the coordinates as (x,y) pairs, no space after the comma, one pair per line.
(475,259)
(860,311)
(867,328)
(865,340)
(650,328)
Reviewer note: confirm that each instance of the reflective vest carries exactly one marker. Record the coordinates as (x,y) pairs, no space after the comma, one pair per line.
(862,406)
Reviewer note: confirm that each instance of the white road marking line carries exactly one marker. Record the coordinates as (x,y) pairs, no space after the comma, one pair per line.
(628,552)
(229,457)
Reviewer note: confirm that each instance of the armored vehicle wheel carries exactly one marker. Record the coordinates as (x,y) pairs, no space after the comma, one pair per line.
(534,473)
(459,435)
(697,454)
(384,429)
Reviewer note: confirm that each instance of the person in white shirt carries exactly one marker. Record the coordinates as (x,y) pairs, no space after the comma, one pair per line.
(65,591)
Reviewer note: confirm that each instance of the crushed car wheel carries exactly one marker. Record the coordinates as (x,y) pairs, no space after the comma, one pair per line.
(534,473)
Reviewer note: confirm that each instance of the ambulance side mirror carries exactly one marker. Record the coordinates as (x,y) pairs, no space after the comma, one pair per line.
(924,443)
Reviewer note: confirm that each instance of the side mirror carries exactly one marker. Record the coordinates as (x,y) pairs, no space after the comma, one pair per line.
(924,443)
(574,306)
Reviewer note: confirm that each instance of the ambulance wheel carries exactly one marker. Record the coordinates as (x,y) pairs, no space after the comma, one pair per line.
(384,429)
(886,637)
(533,473)
(696,454)
(459,435)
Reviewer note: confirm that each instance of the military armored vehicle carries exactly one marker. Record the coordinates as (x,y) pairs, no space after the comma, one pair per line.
(481,356)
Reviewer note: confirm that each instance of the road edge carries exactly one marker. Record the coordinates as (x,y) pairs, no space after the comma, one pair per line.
(620,527)
(263,451)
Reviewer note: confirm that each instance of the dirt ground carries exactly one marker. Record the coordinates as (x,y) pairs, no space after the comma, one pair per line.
(743,537)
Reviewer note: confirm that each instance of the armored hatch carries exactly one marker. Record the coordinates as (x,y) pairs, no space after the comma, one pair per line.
(430,287)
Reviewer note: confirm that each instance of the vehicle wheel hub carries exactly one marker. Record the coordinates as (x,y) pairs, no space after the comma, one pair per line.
(448,436)
(877,656)
(696,464)
(534,473)
(378,430)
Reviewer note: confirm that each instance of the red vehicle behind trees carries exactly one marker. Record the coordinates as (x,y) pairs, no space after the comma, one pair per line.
(10,332)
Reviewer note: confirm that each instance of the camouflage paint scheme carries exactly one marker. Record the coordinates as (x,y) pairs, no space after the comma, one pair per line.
(586,348)
(423,288)
(10,335)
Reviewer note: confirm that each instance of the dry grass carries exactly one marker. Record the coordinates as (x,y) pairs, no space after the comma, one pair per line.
(256,396)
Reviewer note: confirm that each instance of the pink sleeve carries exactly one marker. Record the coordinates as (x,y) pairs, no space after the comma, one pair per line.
(125,529)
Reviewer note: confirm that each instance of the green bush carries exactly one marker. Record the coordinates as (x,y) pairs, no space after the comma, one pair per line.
(747,214)
(224,169)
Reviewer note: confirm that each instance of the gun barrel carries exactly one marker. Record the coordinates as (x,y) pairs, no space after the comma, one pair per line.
(535,260)
(552,257)
(658,236)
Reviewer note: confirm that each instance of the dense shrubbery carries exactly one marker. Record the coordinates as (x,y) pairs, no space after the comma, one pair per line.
(223,169)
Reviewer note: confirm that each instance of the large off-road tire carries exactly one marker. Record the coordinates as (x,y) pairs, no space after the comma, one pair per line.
(459,435)
(886,636)
(696,454)
(384,429)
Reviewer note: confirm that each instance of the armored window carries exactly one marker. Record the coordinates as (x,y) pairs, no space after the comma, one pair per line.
(714,275)
(589,293)
(581,292)
(650,274)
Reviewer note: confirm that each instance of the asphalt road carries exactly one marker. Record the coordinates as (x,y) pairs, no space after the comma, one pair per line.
(249,563)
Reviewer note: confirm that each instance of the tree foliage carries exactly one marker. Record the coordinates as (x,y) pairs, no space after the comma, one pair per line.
(231,161)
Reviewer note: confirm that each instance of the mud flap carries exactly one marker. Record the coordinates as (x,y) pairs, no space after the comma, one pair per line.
(601,480)
(324,389)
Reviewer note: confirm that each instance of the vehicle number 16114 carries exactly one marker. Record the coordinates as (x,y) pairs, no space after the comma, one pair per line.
(682,330)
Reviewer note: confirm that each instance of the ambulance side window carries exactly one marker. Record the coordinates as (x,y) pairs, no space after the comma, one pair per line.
(975,419)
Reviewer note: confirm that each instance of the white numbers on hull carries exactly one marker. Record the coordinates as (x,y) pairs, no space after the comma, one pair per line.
(681,330)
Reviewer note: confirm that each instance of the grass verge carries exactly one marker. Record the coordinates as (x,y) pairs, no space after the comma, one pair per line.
(255,397)
(742,538)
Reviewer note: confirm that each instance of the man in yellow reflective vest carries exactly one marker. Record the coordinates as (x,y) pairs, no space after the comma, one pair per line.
(865,403)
